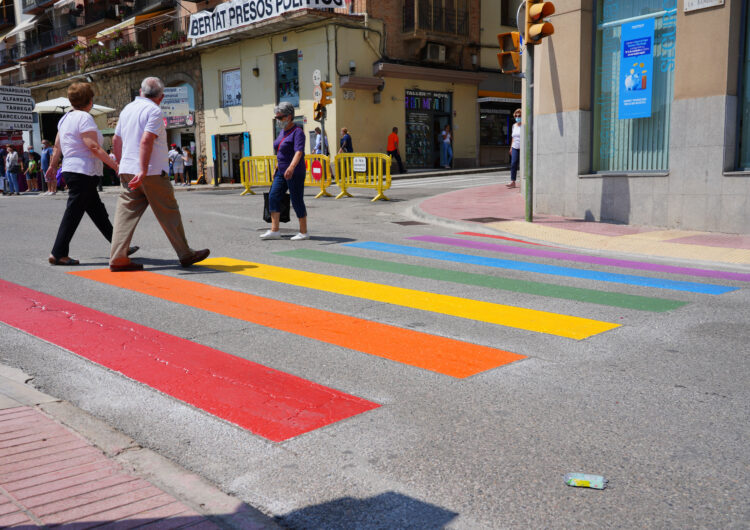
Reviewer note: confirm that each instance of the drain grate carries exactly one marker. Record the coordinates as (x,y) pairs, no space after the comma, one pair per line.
(485,219)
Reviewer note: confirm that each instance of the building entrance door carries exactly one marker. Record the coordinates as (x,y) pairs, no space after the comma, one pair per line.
(427,113)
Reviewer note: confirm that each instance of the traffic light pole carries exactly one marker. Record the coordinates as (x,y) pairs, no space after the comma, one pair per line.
(528,166)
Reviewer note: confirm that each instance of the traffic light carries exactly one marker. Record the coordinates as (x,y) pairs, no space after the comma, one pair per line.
(327,94)
(319,111)
(536,27)
(510,52)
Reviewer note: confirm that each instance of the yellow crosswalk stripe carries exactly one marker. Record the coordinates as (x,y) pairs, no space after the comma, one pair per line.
(504,315)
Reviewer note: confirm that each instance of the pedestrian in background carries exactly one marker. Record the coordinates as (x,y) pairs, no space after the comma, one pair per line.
(45,161)
(446,147)
(79,142)
(140,145)
(321,143)
(12,168)
(187,158)
(515,148)
(346,142)
(289,147)
(178,165)
(32,170)
(393,149)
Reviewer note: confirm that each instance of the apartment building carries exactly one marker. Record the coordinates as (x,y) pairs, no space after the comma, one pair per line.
(113,44)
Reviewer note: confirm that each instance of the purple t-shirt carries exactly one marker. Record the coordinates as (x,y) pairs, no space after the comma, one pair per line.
(288,143)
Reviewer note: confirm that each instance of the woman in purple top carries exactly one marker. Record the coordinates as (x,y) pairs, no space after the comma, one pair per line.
(290,173)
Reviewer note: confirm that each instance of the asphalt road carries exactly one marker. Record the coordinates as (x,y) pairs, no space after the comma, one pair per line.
(659,405)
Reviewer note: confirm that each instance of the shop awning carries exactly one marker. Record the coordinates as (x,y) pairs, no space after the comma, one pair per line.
(129,23)
(23,26)
(498,100)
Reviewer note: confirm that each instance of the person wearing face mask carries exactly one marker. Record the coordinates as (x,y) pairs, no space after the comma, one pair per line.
(515,149)
(290,173)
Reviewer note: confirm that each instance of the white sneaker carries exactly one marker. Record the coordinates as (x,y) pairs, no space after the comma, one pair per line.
(300,236)
(271,235)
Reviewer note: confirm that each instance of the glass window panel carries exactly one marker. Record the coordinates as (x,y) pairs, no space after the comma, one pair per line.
(745,111)
(633,144)
(287,77)
(231,88)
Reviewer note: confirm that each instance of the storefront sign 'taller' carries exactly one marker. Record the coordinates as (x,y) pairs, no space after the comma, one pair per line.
(636,69)
(237,13)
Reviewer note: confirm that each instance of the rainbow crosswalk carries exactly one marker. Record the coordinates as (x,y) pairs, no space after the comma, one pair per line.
(278,406)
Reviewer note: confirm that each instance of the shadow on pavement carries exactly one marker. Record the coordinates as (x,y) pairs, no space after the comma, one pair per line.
(387,510)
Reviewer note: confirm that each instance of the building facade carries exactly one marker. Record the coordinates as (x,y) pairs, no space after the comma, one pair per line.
(411,64)
(641,114)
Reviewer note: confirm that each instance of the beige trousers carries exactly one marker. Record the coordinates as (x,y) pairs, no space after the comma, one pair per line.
(157,191)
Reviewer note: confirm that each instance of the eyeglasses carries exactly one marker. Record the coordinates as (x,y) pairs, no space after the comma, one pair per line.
(280,117)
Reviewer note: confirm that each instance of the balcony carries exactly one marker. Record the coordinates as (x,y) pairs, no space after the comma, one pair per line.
(8,56)
(7,16)
(97,17)
(133,40)
(429,16)
(48,71)
(35,7)
(141,7)
(45,42)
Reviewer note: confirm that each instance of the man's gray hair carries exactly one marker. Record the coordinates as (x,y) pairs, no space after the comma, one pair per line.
(284,108)
(152,87)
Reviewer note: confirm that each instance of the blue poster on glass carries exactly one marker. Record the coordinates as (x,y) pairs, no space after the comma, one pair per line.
(636,69)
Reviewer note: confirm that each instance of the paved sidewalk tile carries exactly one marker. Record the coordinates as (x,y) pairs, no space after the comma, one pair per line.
(50,475)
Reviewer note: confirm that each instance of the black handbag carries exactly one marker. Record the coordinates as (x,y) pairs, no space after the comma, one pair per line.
(285,204)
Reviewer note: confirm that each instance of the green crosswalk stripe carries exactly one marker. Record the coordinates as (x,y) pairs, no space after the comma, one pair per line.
(628,301)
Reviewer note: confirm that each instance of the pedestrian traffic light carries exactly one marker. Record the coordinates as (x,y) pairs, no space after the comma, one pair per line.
(536,27)
(319,111)
(510,52)
(327,93)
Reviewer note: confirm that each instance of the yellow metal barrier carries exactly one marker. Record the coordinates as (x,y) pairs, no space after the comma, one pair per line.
(259,171)
(256,171)
(325,180)
(363,170)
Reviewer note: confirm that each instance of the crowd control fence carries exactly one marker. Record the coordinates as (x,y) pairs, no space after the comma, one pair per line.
(363,170)
(259,171)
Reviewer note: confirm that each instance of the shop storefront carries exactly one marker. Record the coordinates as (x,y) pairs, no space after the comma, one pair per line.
(495,127)
(427,114)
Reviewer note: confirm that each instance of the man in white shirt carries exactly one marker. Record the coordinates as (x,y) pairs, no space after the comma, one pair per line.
(140,146)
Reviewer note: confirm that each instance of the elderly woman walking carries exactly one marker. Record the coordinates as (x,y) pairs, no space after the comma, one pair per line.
(290,173)
(79,141)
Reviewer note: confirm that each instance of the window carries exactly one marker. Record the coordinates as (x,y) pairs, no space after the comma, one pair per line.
(287,78)
(509,10)
(744,148)
(621,143)
(231,88)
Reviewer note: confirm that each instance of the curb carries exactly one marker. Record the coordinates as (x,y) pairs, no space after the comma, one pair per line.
(192,490)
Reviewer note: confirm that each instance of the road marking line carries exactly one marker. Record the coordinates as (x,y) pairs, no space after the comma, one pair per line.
(430,352)
(504,315)
(628,301)
(267,402)
(570,272)
(584,258)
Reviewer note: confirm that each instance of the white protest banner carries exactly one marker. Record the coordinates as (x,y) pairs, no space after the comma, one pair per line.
(237,13)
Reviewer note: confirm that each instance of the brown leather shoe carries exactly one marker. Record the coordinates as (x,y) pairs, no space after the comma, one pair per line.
(198,255)
(132,266)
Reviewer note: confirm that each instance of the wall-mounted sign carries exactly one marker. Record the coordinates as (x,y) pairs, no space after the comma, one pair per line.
(16,106)
(175,107)
(695,5)
(237,13)
(636,69)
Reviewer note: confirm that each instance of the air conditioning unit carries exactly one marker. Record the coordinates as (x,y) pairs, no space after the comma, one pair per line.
(435,52)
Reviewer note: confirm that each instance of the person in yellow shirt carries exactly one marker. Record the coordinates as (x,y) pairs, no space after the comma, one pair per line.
(393,149)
